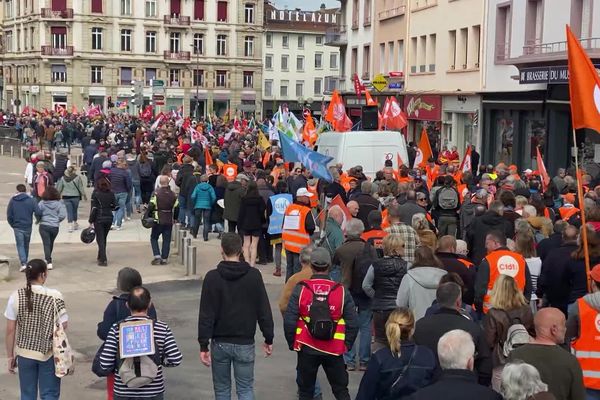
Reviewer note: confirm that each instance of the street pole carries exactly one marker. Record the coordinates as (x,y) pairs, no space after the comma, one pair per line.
(196,113)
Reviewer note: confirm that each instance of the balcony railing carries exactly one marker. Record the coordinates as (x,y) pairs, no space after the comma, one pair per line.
(336,36)
(177,56)
(177,20)
(57,51)
(49,13)
(536,48)
(392,13)
(422,4)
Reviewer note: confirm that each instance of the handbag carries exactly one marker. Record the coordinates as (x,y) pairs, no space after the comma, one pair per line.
(61,349)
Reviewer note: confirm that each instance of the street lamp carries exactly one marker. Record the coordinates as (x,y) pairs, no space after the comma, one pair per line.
(197,106)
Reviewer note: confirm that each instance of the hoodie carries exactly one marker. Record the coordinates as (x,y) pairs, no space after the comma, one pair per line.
(51,213)
(417,289)
(71,186)
(232,302)
(20,211)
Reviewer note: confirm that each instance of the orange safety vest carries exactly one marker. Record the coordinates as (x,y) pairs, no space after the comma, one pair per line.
(345,181)
(230,171)
(314,201)
(432,173)
(276,172)
(546,213)
(335,346)
(567,212)
(385,223)
(587,345)
(460,187)
(504,262)
(466,263)
(295,240)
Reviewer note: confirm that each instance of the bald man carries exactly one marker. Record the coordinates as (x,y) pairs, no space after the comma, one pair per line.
(558,368)
(353,208)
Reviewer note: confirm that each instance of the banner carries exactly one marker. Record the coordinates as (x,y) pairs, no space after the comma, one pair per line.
(279,203)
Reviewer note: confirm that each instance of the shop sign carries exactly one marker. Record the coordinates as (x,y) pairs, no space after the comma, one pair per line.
(423,107)
(379,82)
(303,16)
(558,74)
(395,85)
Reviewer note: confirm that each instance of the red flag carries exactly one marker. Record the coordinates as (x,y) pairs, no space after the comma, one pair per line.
(358,86)
(147,113)
(26,110)
(584,86)
(207,157)
(542,168)
(309,132)
(74,109)
(186,124)
(337,201)
(466,162)
(336,114)
(424,151)
(266,158)
(393,117)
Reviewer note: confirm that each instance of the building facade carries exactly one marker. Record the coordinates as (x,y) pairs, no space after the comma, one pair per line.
(299,70)
(80,52)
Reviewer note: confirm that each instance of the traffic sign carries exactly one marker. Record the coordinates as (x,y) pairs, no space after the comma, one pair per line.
(379,82)
(157,82)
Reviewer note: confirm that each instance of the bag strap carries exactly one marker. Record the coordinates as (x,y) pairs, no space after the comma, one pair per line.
(405,368)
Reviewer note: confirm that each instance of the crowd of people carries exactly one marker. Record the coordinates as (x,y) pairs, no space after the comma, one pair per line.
(432,281)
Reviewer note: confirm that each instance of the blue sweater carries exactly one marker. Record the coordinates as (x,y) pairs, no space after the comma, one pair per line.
(203,196)
(20,211)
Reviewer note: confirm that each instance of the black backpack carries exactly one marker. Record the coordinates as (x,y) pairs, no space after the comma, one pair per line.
(363,260)
(320,324)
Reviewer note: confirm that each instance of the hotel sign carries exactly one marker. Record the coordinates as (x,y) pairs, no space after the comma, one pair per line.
(303,16)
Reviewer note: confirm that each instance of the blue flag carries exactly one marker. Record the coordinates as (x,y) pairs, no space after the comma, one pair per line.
(315,162)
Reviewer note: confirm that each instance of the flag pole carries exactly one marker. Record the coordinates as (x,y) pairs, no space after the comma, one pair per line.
(586,253)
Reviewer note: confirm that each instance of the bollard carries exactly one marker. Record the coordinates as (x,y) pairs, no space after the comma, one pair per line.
(182,246)
(186,245)
(1,149)
(22,151)
(12,151)
(175,231)
(192,258)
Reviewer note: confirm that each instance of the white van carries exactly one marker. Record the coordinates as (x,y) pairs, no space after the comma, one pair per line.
(369,149)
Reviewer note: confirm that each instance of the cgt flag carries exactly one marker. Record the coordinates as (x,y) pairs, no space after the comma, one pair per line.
(315,162)
(336,114)
(584,86)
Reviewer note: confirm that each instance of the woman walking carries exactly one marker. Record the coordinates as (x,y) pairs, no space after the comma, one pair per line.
(72,189)
(525,243)
(147,177)
(51,211)
(34,308)
(134,170)
(103,203)
(250,220)
(202,198)
(41,180)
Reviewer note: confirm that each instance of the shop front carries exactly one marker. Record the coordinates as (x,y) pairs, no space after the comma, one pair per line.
(424,112)
(221,103)
(460,125)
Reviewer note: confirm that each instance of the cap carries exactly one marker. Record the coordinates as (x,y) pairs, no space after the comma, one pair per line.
(320,258)
(303,192)
(594,273)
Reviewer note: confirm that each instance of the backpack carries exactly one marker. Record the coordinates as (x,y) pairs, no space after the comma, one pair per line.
(516,336)
(320,324)
(145,170)
(140,371)
(362,261)
(447,198)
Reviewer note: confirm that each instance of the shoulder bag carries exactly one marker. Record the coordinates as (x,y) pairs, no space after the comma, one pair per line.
(61,349)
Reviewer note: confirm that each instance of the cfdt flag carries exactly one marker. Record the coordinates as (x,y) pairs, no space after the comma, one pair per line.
(423,151)
(336,114)
(315,162)
(465,166)
(279,203)
(584,86)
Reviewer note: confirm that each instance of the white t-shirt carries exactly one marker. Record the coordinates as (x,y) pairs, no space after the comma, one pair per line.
(12,307)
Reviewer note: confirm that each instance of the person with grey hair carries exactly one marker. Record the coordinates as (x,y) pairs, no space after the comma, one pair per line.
(522,381)
(366,202)
(456,354)
(334,236)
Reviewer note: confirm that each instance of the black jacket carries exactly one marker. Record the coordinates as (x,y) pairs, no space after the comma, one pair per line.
(233,300)
(117,311)
(429,330)
(104,203)
(252,214)
(451,263)
(456,384)
(387,276)
(480,227)
(185,184)
(366,204)
(553,283)
(546,245)
(333,189)
(60,166)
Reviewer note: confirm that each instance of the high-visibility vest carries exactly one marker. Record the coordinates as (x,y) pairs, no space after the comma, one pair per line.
(385,222)
(567,212)
(460,187)
(230,171)
(587,345)
(335,346)
(295,240)
(466,263)
(314,201)
(504,262)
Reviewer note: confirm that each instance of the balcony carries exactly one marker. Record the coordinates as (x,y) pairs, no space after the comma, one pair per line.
(177,55)
(177,20)
(336,36)
(66,51)
(535,52)
(391,13)
(334,83)
(48,13)
(423,4)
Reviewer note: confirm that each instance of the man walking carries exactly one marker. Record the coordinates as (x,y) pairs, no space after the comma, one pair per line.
(233,301)
(163,208)
(19,214)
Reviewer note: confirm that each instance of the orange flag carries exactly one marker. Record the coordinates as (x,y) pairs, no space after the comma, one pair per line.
(424,151)
(393,117)
(336,114)
(399,160)
(542,168)
(466,162)
(370,101)
(309,132)
(266,159)
(207,157)
(584,86)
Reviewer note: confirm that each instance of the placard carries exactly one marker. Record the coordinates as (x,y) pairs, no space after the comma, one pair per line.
(136,338)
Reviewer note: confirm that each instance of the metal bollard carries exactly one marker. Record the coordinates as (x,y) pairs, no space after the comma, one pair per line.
(1,149)
(186,246)
(182,246)
(191,260)
(175,231)
(12,151)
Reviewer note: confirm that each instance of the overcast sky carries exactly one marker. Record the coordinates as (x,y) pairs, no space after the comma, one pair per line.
(305,4)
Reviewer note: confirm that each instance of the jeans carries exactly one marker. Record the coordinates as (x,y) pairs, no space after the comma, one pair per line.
(318,390)
(447,225)
(71,204)
(137,193)
(22,238)
(129,204)
(292,261)
(592,394)
(335,274)
(242,357)
(48,234)
(364,340)
(202,214)
(102,229)
(34,374)
(158,230)
(186,216)
(308,366)
(121,204)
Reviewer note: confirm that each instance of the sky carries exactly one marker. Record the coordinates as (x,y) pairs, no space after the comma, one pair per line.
(305,4)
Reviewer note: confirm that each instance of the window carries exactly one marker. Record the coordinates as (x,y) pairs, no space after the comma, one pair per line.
(269,61)
(96,74)
(319,40)
(413,55)
(421,53)
(221,45)
(333,61)
(151,8)
(299,88)
(366,60)
(126,76)
(149,75)
(96,38)
(222,11)
(174,42)
(284,63)
(318,60)
(175,7)
(285,41)
(534,14)
(198,77)
(452,49)
(249,13)
(300,63)
(283,89)
(431,52)
(503,17)
(198,43)
(97,6)
(474,47)
(249,46)
(9,41)
(125,7)
(391,58)
(151,42)
(59,73)
(32,37)
(318,87)
(300,41)
(462,48)
(382,58)
(367,15)
(174,75)
(125,39)
(248,79)
(221,78)
(8,9)
(401,54)
(354,61)
(268,88)
(199,10)
(18,40)
(59,37)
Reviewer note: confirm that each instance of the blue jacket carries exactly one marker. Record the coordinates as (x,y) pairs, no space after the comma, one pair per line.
(120,180)
(20,211)
(203,196)
(89,152)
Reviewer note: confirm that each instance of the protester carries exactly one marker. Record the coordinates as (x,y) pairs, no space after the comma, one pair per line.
(19,215)
(491,220)
(366,202)
(298,226)
(103,202)
(72,191)
(453,262)
(202,199)
(522,381)
(408,234)
(334,236)
(251,217)
(163,208)
(49,214)
(525,245)
(120,181)
(576,270)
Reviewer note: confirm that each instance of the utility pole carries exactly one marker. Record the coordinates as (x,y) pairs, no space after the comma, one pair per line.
(198,78)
